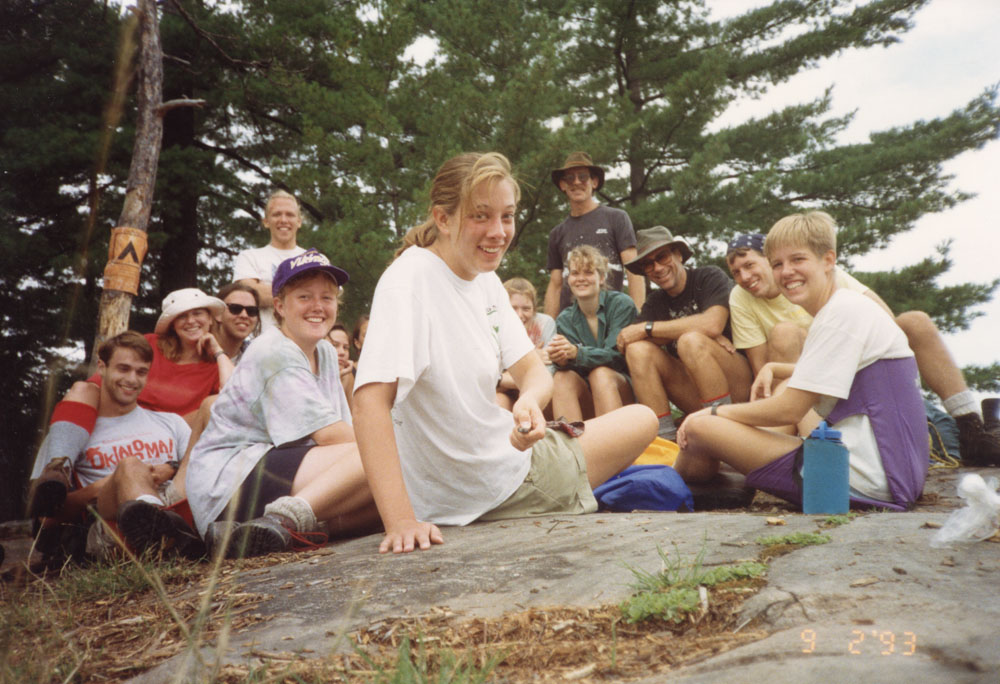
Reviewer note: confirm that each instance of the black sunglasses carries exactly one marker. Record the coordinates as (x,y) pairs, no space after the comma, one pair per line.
(237,309)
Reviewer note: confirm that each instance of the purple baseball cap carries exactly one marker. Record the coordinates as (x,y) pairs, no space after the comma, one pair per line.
(307,261)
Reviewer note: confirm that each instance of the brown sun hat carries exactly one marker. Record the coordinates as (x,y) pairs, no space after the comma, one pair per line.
(652,239)
(576,160)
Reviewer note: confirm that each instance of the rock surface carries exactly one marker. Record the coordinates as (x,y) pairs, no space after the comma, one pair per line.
(877,604)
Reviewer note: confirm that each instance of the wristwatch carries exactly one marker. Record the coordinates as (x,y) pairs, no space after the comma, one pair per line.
(649,328)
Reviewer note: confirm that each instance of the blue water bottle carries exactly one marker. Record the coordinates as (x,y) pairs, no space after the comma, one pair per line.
(824,472)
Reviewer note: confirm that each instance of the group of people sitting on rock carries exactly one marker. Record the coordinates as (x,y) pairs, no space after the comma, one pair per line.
(192,440)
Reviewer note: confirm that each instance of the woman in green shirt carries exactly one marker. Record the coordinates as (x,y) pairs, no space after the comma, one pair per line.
(591,377)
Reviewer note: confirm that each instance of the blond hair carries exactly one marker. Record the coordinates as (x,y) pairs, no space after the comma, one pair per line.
(522,286)
(170,344)
(589,257)
(281,194)
(452,190)
(815,230)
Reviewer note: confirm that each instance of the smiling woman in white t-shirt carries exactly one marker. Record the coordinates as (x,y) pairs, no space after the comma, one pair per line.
(856,370)
(436,447)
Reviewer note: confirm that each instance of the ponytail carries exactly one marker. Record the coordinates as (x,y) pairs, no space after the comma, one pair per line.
(422,235)
(452,189)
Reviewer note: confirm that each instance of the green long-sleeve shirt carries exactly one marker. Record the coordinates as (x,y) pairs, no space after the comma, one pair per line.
(615,310)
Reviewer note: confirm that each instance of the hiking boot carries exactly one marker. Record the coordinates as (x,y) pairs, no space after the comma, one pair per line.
(48,491)
(976,445)
(218,533)
(991,415)
(269,533)
(147,526)
(60,542)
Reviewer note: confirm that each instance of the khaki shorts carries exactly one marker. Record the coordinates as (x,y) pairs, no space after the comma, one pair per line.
(556,483)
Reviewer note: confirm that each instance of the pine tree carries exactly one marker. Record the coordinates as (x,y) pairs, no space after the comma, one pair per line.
(53,92)
(320,97)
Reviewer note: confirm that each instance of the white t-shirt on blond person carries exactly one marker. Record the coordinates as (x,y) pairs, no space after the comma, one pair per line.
(850,333)
(446,341)
(261,263)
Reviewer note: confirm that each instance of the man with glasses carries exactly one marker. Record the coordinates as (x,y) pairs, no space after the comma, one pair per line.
(679,350)
(589,223)
(256,267)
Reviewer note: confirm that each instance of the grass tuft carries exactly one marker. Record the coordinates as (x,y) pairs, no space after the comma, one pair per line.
(795,539)
(432,667)
(838,520)
(672,594)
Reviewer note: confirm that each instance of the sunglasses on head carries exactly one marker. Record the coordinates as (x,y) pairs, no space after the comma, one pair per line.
(237,309)
(582,176)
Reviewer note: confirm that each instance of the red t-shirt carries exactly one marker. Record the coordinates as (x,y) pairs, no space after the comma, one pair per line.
(175,387)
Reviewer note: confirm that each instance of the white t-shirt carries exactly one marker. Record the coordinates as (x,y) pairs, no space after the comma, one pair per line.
(271,399)
(753,317)
(446,341)
(261,263)
(849,333)
(150,436)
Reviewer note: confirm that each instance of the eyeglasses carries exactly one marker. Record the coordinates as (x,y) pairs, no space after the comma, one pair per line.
(237,309)
(663,258)
(571,176)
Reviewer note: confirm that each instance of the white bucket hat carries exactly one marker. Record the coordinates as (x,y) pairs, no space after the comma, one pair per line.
(179,301)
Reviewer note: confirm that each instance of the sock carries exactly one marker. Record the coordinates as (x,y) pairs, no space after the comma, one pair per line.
(170,494)
(69,431)
(296,509)
(667,429)
(717,401)
(960,404)
(150,498)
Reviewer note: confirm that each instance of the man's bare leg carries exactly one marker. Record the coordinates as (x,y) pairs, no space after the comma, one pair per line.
(655,376)
(977,446)
(716,372)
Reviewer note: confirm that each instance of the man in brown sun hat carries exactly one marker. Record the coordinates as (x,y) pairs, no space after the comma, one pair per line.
(679,350)
(589,223)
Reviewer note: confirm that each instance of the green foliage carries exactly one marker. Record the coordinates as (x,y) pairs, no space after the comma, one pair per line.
(53,90)
(913,288)
(838,520)
(322,98)
(672,593)
(42,613)
(983,378)
(120,578)
(795,539)
(426,667)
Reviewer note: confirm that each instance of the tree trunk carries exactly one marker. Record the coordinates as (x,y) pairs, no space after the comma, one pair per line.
(128,243)
(177,207)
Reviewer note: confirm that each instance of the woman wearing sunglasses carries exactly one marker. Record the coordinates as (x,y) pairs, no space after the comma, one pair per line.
(238,321)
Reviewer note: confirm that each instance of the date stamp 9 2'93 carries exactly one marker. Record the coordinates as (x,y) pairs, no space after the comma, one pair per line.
(862,642)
